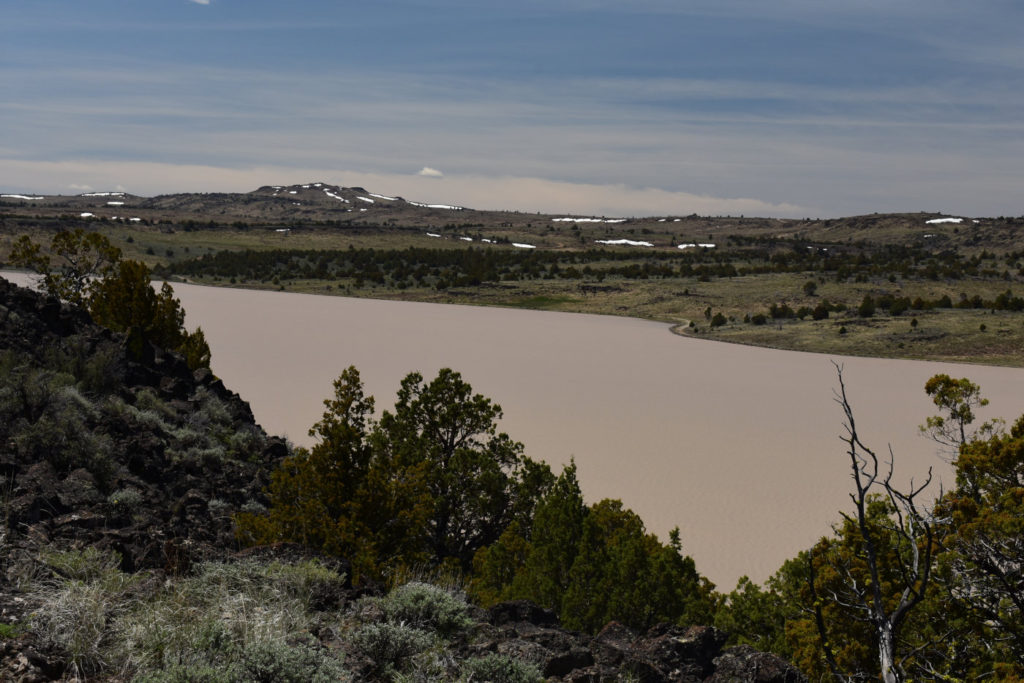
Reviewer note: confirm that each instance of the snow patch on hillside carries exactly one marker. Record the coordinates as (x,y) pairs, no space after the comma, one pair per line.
(335,196)
(437,206)
(628,243)
(569,219)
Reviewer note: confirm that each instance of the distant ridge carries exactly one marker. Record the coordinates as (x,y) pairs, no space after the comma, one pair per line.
(324,204)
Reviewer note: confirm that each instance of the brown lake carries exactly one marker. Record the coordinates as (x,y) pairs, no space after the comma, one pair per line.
(737,446)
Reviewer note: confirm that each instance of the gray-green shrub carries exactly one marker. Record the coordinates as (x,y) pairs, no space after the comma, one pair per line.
(495,668)
(279,662)
(427,606)
(389,646)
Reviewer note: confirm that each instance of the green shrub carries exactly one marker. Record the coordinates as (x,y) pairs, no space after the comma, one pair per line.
(391,647)
(211,414)
(306,581)
(72,399)
(899,306)
(245,444)
(8,631)
(495,668)
(186,673)
(867,307)
(124,501)
(147,399)
(150,421)
(102,372)
(278,662)
(218,508)
(427,606)
(67,443)
(48,419)
(254,507)
(97,370)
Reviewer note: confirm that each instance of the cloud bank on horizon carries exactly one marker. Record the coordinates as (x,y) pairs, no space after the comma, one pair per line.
(658,107)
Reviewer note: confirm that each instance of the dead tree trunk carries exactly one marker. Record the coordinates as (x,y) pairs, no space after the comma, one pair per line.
(909,528)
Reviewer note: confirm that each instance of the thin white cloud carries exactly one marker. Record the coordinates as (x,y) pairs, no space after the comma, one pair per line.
(428,172)
(200,2)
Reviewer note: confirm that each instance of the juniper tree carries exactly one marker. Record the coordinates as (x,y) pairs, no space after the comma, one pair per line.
(90,272)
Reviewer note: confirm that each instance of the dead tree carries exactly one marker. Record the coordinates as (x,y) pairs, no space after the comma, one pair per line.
(909,527)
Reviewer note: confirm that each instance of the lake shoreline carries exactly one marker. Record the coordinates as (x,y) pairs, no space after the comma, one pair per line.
(737,445)
(819,343)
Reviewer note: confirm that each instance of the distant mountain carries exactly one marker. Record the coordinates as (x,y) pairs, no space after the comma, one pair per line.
(309,202)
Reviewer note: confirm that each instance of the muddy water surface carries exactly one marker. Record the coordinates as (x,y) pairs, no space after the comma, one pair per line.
(738,446)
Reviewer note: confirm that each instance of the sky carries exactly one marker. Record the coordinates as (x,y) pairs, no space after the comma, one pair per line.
(796,108)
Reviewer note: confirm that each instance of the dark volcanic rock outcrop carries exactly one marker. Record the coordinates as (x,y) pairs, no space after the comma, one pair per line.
(664,654)
(138,455)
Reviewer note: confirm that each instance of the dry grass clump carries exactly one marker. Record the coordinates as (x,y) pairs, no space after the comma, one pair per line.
(81,595)
(228,622)
(232,618)
(250,621)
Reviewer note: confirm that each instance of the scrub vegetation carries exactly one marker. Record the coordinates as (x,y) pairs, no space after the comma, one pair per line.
(151,531)
(903,588)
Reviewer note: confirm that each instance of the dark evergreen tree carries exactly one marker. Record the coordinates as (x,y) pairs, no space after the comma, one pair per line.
(117,292)
(556,535)
(474,474)
(344,499)
(430,483)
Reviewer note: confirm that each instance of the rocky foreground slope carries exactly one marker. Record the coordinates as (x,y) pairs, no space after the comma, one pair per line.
(120,477)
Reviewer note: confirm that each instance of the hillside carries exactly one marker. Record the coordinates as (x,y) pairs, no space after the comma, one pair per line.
(119,556)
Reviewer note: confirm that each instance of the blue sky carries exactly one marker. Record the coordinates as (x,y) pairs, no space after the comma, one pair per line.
(792,108)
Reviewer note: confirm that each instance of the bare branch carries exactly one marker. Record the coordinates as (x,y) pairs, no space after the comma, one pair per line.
(909,533)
